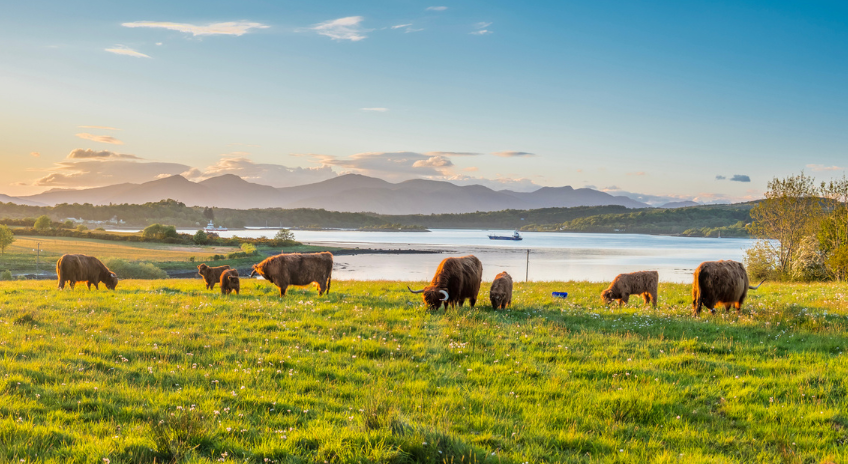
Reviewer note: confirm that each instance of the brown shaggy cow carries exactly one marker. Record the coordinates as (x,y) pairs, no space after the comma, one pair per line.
(297,269)
(456,280)
(636,283)
(501,292)
(720,283)
(230,282)
(82,268)
(212,275)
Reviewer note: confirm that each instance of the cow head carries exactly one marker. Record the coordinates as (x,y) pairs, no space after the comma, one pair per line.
(112,281)
(257,270)
(234,280)
(433,296)
(201,269)
(608,295)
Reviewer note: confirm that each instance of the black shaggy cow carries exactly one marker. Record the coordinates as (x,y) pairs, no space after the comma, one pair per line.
(297,269)
(83,268)
(456,280)
(720,283)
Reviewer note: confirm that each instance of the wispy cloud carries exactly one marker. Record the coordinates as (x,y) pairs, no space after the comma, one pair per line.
(122,50)
(92,168)
(720,177)
(639,173)
(740,178)
(83,153)
(401,25)
(821,167)
(481,29)
(451,153)
(275,175)
(342,29)
(34,154)
(513,154)
(100,138)
(379,110)
(471,169)
(436,8)
(99,127)
(235,28)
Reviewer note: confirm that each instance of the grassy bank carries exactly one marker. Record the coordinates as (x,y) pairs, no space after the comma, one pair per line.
(20,256)
(165,370)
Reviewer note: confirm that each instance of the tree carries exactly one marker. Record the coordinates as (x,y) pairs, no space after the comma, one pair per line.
(833,232)
(284,235)
(200,237)
(42,223)
(159,232)
(789,213)
(208,213)
(6,239)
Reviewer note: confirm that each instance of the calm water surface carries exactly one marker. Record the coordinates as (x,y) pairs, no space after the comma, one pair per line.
(553,256)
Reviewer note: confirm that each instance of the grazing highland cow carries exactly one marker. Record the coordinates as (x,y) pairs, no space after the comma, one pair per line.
(720,283)
(636,283)
(230,282)
(82,268)
(456,280)
(211,275)
(297,269)
(501,292)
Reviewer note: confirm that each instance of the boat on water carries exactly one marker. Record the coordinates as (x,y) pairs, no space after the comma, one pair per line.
(515,236)
(211,228)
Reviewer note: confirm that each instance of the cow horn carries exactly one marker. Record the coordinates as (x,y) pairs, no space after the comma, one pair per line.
(758,285)
(115,276)
(413,291)
(446,295)
(253,273)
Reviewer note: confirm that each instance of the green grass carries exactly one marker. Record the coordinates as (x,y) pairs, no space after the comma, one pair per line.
(20,256)
(165,370)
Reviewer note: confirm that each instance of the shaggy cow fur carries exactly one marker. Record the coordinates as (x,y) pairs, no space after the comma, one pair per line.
(459,277)
(82,268)
(230,282)
(297,269)
(636,283)
(720,283)
(501,292)
(211,275)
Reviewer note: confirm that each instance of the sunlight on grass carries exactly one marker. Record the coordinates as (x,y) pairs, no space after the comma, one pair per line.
(166,370)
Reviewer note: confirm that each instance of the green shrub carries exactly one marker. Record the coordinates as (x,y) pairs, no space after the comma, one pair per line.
(6,275)
(760,263)
(159,232)
(82,228)
(248,248)
(134,270)
(200,237)
(42,223)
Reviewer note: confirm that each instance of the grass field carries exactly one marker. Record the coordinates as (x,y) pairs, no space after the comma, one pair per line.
(20,256)
(165,371)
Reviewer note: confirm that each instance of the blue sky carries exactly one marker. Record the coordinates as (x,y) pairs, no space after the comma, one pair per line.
(659,100)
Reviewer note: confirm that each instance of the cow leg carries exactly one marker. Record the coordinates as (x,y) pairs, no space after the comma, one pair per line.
(88,283)
(473,302)
(61,284)
(73,283)
(738,306)
(646,297)
(236,290)
(283,291)
(654,300)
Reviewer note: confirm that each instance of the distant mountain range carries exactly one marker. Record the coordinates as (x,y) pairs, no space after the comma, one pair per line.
(347,193)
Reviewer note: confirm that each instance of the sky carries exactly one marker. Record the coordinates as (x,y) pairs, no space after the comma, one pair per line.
(657,100)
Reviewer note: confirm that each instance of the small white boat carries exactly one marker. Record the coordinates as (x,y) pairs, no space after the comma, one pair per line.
(211,228)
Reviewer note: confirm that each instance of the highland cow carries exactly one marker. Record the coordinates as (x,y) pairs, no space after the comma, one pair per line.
(501,292)
(211,275)
(720,283)
(297,269)
(82,268)
(642,283)
(456,280)
(230,282)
